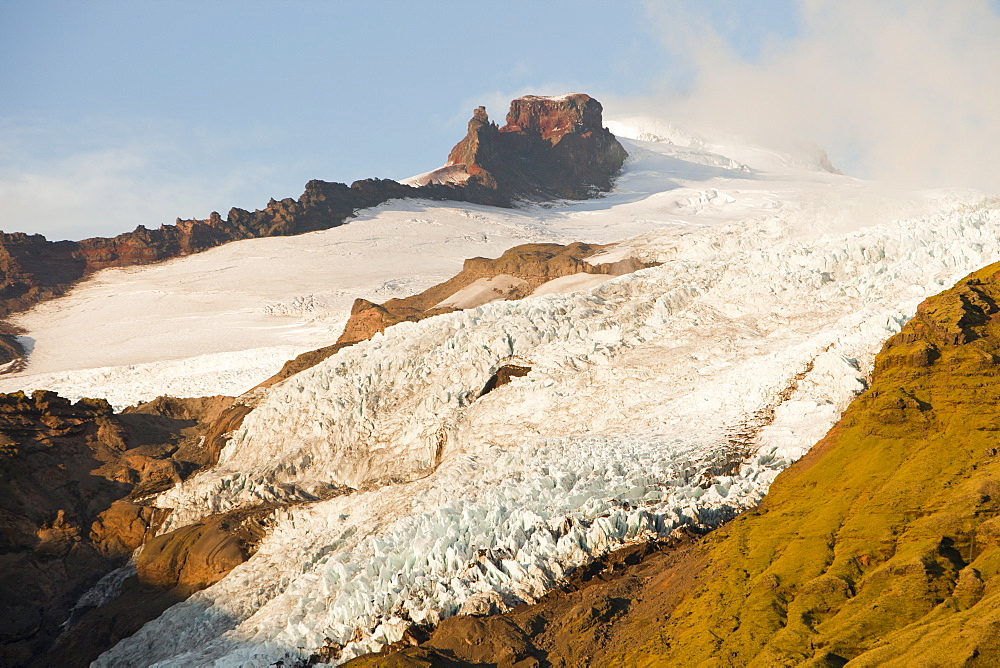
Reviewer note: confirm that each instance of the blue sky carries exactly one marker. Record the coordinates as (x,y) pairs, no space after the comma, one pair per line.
(123,113)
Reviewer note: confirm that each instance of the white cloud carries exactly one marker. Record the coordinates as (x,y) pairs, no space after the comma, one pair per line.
(896,90)
(97,179)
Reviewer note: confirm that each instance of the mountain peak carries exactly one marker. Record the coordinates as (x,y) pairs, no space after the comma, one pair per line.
(550,146)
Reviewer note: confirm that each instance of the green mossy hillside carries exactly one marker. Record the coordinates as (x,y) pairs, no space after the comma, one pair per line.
(882,545)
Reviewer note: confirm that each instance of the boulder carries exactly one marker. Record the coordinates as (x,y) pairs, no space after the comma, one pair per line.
(199,555)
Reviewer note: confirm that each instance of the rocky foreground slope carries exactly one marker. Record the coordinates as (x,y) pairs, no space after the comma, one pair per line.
(879,547)
(72,480)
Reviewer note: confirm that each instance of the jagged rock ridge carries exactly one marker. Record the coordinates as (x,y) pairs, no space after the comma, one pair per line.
(33,269)
(526,268)
(532,265)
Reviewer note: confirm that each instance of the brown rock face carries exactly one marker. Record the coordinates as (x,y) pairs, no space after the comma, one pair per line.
(550,147)
(170,568)
(71,481)
(199,555)
(554,117)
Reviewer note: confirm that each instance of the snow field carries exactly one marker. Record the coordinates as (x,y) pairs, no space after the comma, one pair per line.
(230,374)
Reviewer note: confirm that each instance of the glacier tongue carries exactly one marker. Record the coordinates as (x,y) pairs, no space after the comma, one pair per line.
(669,396)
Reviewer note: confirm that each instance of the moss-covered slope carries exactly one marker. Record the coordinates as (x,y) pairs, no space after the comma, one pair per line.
(880,547)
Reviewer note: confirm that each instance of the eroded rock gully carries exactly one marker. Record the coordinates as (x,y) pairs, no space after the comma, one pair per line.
(170,568)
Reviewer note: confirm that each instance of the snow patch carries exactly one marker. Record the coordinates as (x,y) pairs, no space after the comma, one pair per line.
(486,290)
(571,283)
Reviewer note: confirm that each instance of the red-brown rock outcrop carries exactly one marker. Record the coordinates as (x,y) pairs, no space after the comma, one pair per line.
(530,264)
(534,264)
(550,147)
(199,555)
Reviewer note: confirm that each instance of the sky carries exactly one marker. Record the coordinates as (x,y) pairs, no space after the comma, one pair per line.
(115,114)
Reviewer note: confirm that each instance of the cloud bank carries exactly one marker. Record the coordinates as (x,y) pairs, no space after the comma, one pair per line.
(893,90)
(90,178)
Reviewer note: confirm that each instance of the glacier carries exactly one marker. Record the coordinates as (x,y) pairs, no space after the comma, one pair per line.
(119,333)
(665,398)
(405,497)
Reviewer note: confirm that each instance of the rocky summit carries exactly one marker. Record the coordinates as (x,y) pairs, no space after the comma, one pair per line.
(550,147)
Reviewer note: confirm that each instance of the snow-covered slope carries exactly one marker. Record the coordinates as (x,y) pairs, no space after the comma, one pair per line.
(673,395)
(294,293)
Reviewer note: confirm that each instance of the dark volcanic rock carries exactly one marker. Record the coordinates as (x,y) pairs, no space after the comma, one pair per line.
(504,375)
(550,147)
(169,569)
